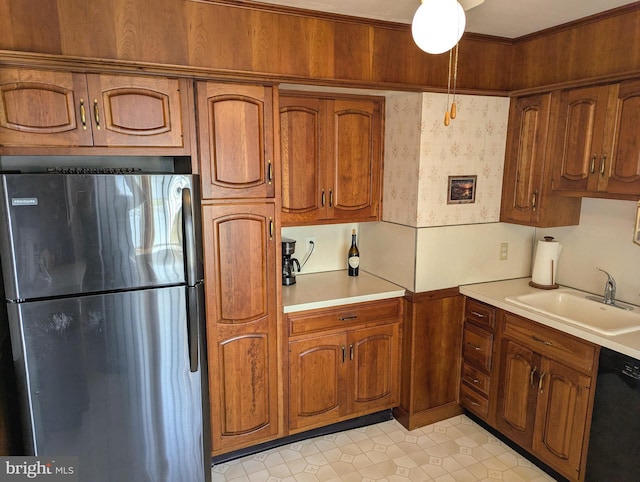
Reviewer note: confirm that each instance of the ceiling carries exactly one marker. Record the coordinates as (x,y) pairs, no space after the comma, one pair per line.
(502,18)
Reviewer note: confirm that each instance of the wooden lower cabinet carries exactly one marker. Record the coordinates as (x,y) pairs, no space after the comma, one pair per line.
(431,347)
(242,328)
(545,393)
(343,362)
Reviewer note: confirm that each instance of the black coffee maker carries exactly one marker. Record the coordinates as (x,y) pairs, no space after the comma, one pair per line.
(289,264)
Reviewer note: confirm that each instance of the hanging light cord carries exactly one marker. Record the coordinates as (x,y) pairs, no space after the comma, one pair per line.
(446,113)
(455,82)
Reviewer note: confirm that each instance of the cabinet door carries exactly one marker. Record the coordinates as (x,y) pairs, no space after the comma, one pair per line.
(354,151)
(39,108)
(517,392)
(374,369)
(240,274)
(624,172)
(578,155)
(301,130)
(235,130)
(561,417)
(317,376)
(524,161)
(137,111)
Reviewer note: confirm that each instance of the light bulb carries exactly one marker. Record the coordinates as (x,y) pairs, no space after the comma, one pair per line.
(438,25)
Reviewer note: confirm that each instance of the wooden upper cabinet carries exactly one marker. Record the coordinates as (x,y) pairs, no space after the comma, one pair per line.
(301,131)
(331,151)
(624,169)
(67,110)
(578,156)
(526,193)
(138,111)
(40,108)
(235,129)
(596,152)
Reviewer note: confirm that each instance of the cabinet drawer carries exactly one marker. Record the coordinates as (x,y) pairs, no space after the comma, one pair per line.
(570,351)
(473,401)
(480,313)
(475,378)
(477,346)
(341,317)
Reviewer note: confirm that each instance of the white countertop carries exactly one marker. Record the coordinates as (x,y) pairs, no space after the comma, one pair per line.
(495,292)
(335,288)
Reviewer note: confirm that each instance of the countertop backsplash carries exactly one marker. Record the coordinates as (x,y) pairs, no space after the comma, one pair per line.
(603,239)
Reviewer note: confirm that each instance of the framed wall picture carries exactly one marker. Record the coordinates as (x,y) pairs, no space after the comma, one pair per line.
(462,189)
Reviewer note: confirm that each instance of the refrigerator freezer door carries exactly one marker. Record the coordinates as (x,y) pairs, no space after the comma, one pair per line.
(109,380)
(70,234)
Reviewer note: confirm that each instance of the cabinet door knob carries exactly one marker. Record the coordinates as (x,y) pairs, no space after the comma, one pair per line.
(533,372)
(323,197)
(603,164)
(330,198)
(592,168)
(351,352)
(269,172)
(344,354)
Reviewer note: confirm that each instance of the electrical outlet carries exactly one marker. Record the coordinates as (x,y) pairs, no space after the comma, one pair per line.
(307,243)
(504,251)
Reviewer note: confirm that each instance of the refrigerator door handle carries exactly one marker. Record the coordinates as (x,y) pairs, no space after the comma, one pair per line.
(191,258)
(195,317)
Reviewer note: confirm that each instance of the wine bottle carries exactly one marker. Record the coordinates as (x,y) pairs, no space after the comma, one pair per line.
(353,256)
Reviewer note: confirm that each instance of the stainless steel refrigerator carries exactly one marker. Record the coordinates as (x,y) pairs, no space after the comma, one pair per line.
(104,299)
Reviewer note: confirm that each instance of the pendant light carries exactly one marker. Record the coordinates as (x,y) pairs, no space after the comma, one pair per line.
(438,25)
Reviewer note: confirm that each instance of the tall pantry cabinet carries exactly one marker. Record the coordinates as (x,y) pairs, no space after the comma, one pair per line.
(236,139)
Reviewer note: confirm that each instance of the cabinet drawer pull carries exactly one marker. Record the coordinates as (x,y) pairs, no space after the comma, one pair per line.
(592,168)
(603,164)
(540,340)
(83,114)
(347,318)
(473,380)
(479,315)
(475,347)
(475,404)
(96,113)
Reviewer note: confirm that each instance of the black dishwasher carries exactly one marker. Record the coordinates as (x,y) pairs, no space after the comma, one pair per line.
(614,444)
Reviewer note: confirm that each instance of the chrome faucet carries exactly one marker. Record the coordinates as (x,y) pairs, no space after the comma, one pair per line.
(609,289)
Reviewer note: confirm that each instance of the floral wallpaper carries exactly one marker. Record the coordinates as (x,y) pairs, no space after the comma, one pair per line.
(421,153)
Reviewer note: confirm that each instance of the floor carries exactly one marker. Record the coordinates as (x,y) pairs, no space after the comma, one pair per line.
(453,450)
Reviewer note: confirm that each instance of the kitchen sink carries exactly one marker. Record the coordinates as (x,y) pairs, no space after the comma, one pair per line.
(576,308)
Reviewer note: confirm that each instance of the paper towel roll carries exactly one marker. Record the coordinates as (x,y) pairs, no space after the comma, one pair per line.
(546,263)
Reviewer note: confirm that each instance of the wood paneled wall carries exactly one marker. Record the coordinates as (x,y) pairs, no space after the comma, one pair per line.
(231,39)
(241,39)
(601,46)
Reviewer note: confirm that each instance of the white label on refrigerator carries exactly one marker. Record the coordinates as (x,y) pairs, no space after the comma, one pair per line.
(24,201)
